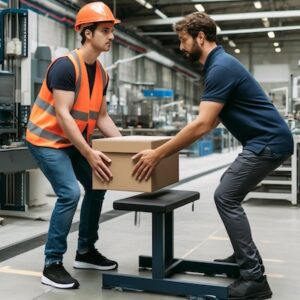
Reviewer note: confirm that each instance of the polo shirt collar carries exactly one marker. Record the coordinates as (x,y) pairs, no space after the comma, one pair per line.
(211,57)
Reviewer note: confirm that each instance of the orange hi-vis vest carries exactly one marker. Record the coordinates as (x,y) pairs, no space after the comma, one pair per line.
(43,128)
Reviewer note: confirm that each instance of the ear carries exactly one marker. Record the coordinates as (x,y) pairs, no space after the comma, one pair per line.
(200,38)
(88,34)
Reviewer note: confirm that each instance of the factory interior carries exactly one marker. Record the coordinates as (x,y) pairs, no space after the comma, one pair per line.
(153,92)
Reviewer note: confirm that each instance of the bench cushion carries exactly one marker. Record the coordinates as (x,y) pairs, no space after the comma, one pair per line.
(162,201)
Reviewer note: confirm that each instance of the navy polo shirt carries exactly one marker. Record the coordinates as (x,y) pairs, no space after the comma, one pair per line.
(247,113)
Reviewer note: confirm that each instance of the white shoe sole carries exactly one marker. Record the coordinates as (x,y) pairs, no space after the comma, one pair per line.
(83,265)
(47,281)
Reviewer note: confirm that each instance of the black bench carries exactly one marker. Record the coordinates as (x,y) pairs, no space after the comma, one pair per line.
(163,264)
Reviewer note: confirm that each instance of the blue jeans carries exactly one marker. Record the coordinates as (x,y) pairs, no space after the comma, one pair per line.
(243,174)
(63,167)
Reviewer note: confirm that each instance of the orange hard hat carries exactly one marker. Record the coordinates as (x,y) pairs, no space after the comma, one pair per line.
(94,12)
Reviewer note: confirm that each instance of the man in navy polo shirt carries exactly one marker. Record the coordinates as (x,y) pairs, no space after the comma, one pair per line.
(233,97)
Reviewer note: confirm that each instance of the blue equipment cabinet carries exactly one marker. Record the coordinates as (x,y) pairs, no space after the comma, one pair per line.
(205,147)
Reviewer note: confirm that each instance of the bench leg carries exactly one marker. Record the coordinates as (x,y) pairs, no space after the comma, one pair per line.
(163,263)
(158,245)
(169,236)
(178,265)
(162,243)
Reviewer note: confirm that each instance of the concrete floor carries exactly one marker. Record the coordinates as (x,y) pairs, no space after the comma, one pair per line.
(199,235)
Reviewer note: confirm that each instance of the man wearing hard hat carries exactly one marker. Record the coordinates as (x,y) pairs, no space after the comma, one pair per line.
(71,103)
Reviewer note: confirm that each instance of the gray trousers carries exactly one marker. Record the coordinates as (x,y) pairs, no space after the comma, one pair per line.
(244,173)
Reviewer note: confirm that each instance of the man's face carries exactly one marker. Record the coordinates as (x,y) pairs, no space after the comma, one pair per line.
(189,46)
(103,36)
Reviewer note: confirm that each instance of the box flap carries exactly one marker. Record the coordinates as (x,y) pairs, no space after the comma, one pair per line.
(129,144)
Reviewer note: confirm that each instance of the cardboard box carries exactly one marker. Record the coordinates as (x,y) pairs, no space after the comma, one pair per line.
(120,150)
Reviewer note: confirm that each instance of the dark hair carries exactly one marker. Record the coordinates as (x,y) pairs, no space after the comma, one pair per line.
(92,28)
(196,22)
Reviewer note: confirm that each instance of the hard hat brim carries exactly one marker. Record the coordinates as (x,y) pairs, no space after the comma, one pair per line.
(79,27)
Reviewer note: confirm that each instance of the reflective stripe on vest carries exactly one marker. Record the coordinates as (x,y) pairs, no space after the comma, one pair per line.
(93,115)
(79,115)
(46,134)
(78,81)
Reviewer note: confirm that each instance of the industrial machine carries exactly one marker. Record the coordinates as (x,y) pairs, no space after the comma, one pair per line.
(13,47)
(143,106)
(8,124)
(14,156)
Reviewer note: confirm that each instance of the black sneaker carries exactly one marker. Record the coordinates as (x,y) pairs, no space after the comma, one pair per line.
(56,276)
(231,260)
(250,290)
(94,260)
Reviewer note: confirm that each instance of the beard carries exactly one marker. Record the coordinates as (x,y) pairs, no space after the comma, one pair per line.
(195,53)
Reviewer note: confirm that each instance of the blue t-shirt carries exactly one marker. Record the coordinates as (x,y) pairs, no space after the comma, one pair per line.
(247,113)
(62,76)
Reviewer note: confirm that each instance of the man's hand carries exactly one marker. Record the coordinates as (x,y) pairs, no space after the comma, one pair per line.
(99,163)
(147,160)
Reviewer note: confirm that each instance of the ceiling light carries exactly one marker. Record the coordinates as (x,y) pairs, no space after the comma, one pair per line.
(225,38)
(161,14)
(148,5)
(252,30)
(266,22)
(218,29)
(143,2)
(231,43)
(276,44)
(271,34)
(200,7)
(237,50)
(278,49)
(257,4)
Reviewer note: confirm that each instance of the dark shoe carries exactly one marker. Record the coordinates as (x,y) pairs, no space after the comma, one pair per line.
(56,276)
(228,260)
(94,260)
(231,260)
(249,290)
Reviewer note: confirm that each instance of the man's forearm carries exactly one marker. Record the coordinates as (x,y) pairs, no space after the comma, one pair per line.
(184,138)
(108,127)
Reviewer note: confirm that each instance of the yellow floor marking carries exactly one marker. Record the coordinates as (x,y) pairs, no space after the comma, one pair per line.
(8,269)
(274,260)
(275,275)
(198,245)
(218,238)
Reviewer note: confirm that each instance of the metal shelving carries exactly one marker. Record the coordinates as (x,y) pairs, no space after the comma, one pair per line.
(282,183)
